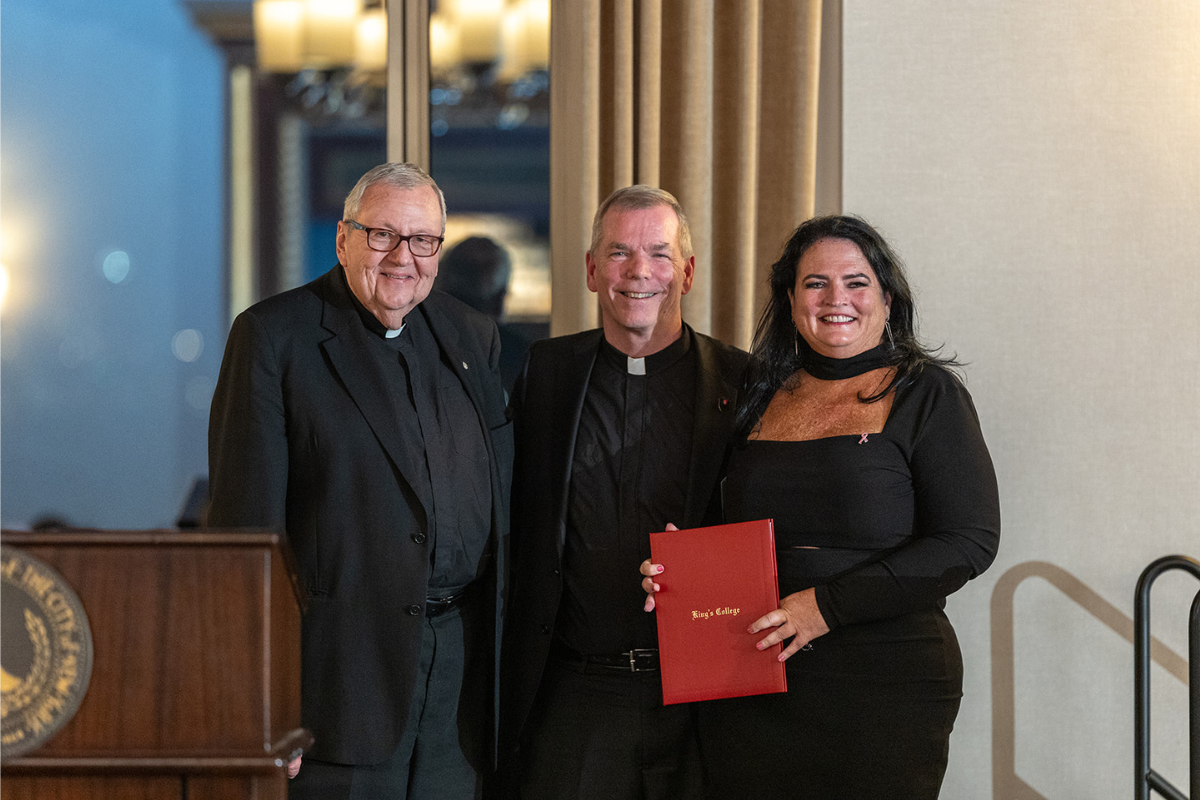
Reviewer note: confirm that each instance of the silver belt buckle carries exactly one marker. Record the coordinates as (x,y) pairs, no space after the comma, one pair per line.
(645,654)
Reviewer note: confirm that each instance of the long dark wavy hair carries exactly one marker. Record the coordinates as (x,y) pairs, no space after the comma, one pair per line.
(773,357)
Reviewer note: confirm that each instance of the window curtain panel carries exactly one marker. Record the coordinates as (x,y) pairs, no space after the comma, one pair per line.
(714,101)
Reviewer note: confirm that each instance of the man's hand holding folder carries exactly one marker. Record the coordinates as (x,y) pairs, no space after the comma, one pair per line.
(720,578)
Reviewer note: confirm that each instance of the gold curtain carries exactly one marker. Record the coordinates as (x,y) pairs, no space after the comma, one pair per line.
(713,100)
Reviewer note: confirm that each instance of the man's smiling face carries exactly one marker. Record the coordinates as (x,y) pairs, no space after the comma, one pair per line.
(390,285)
(640,275)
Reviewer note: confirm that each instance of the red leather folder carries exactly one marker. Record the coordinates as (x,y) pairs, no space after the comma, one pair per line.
(716,582)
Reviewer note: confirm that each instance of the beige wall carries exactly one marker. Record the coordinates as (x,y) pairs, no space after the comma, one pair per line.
(1037,164)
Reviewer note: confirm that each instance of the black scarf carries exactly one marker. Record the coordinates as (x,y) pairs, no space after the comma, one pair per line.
(835,369)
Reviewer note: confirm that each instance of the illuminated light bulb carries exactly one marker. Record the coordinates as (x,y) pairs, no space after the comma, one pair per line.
(329,27)
(537,34)
(479,27)
(279,35)
(370,41)
(514,58)
(443,42)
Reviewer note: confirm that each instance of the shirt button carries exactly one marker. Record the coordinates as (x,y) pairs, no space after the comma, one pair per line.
(414,610)
(546,629)
(419,538)
(556,572)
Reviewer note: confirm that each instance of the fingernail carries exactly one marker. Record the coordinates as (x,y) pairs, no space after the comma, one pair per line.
(659,569)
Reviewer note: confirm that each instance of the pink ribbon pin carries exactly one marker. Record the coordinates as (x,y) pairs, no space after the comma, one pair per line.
(863,440)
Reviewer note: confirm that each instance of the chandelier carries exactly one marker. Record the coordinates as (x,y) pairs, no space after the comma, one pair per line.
(296,35)
(332,56)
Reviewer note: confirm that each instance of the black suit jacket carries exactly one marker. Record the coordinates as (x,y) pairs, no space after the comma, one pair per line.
(302,438)
(547,402)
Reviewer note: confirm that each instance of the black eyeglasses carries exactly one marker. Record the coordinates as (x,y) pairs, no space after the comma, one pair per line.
(385,241)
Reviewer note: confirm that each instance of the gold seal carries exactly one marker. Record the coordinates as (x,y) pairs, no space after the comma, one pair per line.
(45,653)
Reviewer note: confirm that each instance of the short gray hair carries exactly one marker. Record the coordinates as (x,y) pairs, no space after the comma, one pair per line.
(401,176)
(635,198)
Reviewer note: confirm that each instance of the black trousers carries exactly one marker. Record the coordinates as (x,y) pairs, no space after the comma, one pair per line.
(443,753)
(598,734)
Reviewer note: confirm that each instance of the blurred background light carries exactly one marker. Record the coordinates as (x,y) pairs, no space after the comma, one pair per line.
(6,258)
(116,266)
(187,345)
(370,40)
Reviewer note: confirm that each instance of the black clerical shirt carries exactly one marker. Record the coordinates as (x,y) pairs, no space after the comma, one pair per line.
(629,477)
(435,414)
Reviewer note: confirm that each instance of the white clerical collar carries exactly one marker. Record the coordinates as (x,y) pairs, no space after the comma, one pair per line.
(393,333)
(635,366)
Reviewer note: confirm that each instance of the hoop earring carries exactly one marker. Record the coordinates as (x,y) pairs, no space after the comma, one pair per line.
(887,328)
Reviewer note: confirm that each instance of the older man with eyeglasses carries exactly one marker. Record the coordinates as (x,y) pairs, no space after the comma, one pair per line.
(363,414)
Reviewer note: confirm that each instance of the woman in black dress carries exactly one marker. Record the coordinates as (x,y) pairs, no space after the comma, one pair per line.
(867,453)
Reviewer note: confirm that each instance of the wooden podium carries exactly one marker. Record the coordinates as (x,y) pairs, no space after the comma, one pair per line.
(195,685)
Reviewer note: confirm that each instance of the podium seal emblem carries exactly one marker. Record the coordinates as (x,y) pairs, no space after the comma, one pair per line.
(45,653)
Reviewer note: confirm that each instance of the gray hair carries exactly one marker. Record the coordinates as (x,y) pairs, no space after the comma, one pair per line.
(401,176)
(635,198)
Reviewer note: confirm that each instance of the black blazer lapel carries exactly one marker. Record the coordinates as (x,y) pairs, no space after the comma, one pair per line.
(716,401)
(445,331)
(348,353)
(566,396)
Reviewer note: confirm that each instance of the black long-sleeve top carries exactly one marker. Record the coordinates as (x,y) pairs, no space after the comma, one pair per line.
(884,524)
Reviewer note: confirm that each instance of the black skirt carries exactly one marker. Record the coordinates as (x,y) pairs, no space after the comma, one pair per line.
(867,714)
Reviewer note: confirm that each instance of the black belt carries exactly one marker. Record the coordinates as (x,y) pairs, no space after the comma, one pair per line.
(640,660)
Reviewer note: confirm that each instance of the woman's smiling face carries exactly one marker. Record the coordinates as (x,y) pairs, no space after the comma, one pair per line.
(837,303)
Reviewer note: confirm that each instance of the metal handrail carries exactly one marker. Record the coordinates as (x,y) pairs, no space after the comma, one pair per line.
(1146,777)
